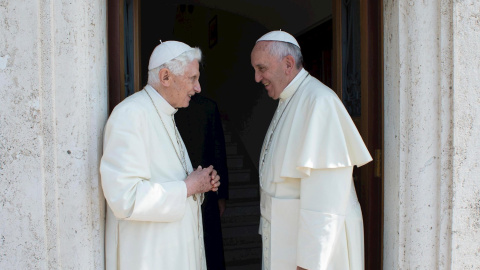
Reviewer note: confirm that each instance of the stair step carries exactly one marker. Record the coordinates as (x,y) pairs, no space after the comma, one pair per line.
(248,208)
(244,231)
(239,176)
(254,239)
(255,222)
(241,227)
(255,264)
(243,191)
(239,220)
(231,148)
(245,253)
(242,203)
(255,244)
(235,162)
(244,200)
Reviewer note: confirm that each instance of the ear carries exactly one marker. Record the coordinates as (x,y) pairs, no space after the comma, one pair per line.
(165,77)
(289,64)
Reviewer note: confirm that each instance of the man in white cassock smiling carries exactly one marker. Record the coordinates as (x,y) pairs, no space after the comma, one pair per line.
(310,215)
(153,193)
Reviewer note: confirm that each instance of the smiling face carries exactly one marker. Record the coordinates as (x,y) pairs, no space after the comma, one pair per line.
(269,70)
(183,87)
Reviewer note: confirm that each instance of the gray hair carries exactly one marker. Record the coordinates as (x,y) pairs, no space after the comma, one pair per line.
(281,49)
(176,66)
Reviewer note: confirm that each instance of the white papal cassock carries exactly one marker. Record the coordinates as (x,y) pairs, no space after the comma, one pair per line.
(310,215)
(151,224)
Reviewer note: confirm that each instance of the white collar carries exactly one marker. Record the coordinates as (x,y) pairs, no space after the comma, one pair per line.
(293,85)
(160,101)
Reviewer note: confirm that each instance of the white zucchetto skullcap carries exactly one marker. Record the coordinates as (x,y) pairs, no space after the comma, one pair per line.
(279,35)
(167,51)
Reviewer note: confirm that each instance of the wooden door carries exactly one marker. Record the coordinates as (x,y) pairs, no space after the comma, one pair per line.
(118,39)
(367,112)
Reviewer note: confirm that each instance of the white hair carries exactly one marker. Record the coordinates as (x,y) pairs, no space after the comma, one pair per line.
(176,66)
(281,49)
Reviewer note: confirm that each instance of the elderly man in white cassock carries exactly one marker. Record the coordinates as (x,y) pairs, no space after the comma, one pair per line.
(153,193)
(310,215)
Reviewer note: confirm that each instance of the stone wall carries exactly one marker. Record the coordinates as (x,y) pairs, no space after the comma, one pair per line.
(432,113)
(466,133)
(53,96)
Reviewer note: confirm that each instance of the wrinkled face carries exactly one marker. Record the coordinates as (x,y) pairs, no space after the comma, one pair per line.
(185,86)
(269,70)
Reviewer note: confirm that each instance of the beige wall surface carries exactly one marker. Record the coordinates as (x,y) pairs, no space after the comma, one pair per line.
(432,122)
(53,96)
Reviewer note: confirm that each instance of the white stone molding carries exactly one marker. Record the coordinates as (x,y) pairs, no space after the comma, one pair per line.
(53,92)
(432,187)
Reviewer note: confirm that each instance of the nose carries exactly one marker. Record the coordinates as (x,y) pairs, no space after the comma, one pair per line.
(197,88)
(258,77)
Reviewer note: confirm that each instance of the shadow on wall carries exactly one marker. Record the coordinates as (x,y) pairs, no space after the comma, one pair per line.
(227,75)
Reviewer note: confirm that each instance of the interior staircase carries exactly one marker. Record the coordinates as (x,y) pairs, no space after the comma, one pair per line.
(242,243)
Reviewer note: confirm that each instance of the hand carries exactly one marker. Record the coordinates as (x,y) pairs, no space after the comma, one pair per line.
(200,181)
(222,204)
(215,180)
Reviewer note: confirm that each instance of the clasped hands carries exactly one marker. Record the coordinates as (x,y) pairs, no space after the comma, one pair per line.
(202,180)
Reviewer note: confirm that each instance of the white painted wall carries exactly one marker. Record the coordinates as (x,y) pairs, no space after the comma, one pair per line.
(432,127)
(53,96)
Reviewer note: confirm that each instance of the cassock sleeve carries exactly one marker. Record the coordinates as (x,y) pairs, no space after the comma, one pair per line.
(125,172)
(324,198)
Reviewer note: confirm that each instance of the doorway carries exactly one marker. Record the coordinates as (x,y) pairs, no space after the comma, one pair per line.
(227,76)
